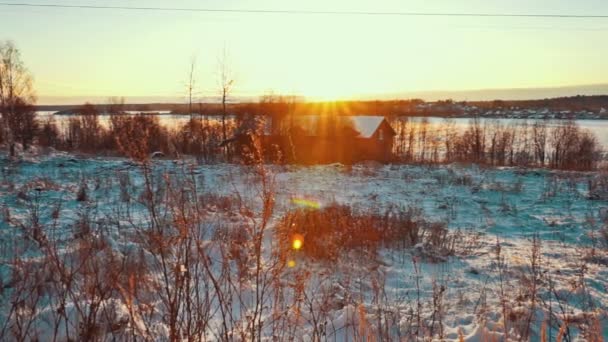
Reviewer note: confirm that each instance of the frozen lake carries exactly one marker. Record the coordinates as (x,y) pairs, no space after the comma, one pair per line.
(165,118)
(175,121)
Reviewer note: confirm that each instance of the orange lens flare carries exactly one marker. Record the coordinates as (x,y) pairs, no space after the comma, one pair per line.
(297,242)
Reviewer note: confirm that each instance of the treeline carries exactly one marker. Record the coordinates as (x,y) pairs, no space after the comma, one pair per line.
(135,136)
(553,144)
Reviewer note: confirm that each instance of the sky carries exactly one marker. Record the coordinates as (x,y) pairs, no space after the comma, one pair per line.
(80,53)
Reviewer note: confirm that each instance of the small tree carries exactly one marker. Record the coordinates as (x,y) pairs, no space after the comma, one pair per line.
(539,137)
(116,105)
(23,123)
(90,126)
(49,133)
(191,84)
(226,82)
(16,98)
(137,136)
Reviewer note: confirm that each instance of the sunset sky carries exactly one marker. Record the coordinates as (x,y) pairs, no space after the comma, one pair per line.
(85,52)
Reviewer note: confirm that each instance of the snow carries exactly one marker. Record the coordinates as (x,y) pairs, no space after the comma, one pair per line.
(489,207)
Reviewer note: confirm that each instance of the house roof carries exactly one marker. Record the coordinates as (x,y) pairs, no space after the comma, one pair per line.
(367,125)
(317,125)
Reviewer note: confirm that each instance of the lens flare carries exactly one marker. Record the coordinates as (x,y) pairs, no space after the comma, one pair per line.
(291,264)
(297,241)
(308,203)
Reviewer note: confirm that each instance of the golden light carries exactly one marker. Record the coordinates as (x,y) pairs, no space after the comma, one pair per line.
(291,264)
(297,242)
(304,202)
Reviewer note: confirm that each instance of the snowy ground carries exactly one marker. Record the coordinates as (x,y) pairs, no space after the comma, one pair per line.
(488,207)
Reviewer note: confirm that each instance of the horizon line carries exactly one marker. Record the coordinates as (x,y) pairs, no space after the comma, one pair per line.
(426,95)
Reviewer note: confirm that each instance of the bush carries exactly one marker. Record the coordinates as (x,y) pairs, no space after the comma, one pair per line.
(336,229)
(598,187)
(82,196)
(560,145)
(49,134)
(573,148)
(138,136)
(198,137)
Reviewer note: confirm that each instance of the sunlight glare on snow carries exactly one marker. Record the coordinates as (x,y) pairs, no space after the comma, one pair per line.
(308,203)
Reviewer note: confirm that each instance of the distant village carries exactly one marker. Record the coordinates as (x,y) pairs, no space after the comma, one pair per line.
(464,110)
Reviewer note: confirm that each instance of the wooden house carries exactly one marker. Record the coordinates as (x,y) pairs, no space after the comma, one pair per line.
(319,139)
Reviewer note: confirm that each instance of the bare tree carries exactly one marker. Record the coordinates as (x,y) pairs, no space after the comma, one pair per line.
(23,124)
(539,136)
(195,133)
(449,139)
(226,82)
(423,138)
(90,127)
(16,96)
(191,84)
(116,105)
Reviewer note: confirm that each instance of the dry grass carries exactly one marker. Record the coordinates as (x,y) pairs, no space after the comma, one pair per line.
(336,229)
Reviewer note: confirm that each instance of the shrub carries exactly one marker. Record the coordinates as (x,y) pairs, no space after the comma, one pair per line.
(561,145)
(337,229)
(49,134)
(138,136)
(82,196)
(598,187)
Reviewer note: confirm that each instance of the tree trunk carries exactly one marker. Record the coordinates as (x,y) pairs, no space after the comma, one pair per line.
(224,135)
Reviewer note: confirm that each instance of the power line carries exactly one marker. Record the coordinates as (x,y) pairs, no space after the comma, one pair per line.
(307,12)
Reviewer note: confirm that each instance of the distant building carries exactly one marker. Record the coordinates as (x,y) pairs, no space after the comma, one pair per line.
(317,139)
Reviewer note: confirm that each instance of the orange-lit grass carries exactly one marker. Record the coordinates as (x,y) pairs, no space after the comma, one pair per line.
(334,230)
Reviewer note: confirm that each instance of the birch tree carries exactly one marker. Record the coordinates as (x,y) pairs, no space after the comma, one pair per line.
(16,98)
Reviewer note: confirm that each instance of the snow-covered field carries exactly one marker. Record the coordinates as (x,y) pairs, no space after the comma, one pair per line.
(528,244)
